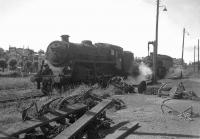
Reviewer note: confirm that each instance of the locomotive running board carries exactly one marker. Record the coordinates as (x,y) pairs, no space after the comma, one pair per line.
(82,122)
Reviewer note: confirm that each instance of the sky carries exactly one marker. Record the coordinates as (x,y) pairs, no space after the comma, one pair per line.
(126,23)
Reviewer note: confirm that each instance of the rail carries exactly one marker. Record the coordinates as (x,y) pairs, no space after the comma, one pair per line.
(82,122)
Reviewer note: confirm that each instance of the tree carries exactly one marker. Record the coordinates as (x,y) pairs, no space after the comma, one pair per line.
(3,64)
(13,64)
(41,51)
(1,52)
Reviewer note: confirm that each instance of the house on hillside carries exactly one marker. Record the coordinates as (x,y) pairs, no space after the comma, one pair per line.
(28,60)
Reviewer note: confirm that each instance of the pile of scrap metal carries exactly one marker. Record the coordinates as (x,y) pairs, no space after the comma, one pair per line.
(120,83)
(151,90)
(187,114)
(177,92)
(75,105)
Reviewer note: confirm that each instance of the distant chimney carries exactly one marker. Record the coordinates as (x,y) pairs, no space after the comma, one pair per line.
(65,38)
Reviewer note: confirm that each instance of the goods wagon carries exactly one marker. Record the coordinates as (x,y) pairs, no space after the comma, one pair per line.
(164,63)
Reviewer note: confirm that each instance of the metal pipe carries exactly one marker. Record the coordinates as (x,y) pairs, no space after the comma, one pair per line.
(150,42)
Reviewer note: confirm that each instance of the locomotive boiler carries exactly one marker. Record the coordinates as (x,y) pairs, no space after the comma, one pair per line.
(87,62)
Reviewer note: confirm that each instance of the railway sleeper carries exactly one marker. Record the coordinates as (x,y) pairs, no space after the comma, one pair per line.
(64,115)
(50,124)
(88,125)
(48,131)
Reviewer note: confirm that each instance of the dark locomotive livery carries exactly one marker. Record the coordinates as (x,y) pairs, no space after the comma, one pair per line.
(86,62)
(90,63)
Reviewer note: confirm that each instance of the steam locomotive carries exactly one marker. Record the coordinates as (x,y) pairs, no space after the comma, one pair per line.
(85,61)
(90,63)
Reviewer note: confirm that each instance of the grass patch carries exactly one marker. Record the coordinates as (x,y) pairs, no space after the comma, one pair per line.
(15,74)
(15,83)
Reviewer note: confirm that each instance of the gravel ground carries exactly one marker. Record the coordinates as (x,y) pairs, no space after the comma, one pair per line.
(145,109)
(153,123)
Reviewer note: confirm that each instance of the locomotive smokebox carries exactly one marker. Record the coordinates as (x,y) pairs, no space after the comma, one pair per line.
(65,38)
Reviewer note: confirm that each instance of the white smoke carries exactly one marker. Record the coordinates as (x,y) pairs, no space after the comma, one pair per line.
(56,70)
(145,73)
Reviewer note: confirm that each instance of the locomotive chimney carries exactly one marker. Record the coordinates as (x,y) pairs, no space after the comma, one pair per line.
(65,38)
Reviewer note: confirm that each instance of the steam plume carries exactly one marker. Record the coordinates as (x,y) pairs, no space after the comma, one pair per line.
(142,73)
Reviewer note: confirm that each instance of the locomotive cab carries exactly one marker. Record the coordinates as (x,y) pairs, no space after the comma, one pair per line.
(117,53)
(128,59)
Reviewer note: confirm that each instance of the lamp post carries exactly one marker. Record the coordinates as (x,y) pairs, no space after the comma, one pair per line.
(156,42)
(183,45)
(184,31)
(194,57)
(198,56)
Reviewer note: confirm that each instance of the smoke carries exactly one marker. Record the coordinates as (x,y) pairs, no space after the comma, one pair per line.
(56,70)
(144,73)
(144,70)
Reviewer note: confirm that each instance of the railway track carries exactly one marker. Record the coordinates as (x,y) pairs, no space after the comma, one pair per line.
(17,89)
(70,111)
(33,93)
(21,98)
(75,116)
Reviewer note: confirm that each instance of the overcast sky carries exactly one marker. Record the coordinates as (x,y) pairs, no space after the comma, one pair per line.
(127,23)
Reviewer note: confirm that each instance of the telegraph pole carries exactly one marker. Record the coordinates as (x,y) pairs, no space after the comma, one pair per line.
(156,45)
(183,45)
(194,58)
(198,57)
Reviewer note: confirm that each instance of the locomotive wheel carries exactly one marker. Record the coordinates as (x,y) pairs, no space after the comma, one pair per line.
(46,88)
